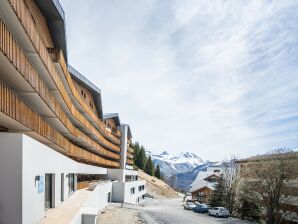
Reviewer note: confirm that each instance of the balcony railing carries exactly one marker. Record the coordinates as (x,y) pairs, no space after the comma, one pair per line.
(129,155)
(130,150)
(57,57)
(12,106)
(14,54)
(25,18)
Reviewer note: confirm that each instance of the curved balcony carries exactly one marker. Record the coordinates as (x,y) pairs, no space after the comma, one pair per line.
(16,115)
(14,54)
(24,17)
(129,161)
(129,155)
(130,150)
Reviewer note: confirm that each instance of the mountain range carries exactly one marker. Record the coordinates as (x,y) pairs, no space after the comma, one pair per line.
(180,170)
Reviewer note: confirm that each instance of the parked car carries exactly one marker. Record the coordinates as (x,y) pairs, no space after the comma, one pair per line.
(201,208)
(219,212)
(189,205)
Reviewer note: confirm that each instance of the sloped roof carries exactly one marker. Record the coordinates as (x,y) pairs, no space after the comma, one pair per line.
(96,92)
(200,181)
(201,184)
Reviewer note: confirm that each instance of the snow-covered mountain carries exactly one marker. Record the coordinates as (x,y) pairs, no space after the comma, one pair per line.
(171,164)
(180,170)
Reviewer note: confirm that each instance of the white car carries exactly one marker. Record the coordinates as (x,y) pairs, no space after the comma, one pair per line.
(219,212)
(189,205)
(187,197)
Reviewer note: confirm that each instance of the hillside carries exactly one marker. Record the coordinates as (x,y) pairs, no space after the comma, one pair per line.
(156,187)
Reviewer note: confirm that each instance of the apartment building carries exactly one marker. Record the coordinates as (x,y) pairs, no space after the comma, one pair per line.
(268,164)
(55,138)
(128,188)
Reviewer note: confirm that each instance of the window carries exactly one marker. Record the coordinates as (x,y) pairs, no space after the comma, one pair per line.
(71,183)
(109,197)
(201,194)
(132,190)
(140,188)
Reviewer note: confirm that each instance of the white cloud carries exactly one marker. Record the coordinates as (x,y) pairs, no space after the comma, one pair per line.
(215,78)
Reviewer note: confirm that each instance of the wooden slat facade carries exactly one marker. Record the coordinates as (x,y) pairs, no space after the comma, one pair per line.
(12,106)
(129,155)
(58,57)
(130,150)
(25,18)
(14,54)
(92,130)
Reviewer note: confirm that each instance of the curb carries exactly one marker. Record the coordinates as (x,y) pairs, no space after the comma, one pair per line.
(155,219)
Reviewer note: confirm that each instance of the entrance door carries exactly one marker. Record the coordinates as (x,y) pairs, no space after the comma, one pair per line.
(48,191)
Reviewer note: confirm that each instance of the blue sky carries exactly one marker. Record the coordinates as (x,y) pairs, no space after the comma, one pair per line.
(216,78)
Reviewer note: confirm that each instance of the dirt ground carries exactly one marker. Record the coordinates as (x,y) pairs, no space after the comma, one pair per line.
(116,215)
(157,188)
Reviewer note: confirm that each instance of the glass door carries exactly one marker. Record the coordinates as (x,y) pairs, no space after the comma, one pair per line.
(48,191)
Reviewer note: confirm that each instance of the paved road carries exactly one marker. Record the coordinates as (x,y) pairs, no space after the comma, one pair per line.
(171,211)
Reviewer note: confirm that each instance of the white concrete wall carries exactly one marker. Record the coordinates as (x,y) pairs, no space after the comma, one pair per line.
(121,191)
(38,159)
(97,201)
(116,174)
(10,179)
(132,198)
(21,160)
(119,174)
(118,192)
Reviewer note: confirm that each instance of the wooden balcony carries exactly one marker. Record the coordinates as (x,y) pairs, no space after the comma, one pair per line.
(57,57)
(129,141)
(129,155)
(130,150)
(24,16)
(18,112)
(129,161)
(14,54)
(84,184)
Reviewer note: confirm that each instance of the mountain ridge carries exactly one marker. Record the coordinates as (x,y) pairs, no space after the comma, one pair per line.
(180,169)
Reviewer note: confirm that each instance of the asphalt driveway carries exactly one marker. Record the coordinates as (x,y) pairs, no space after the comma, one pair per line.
(171,211)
